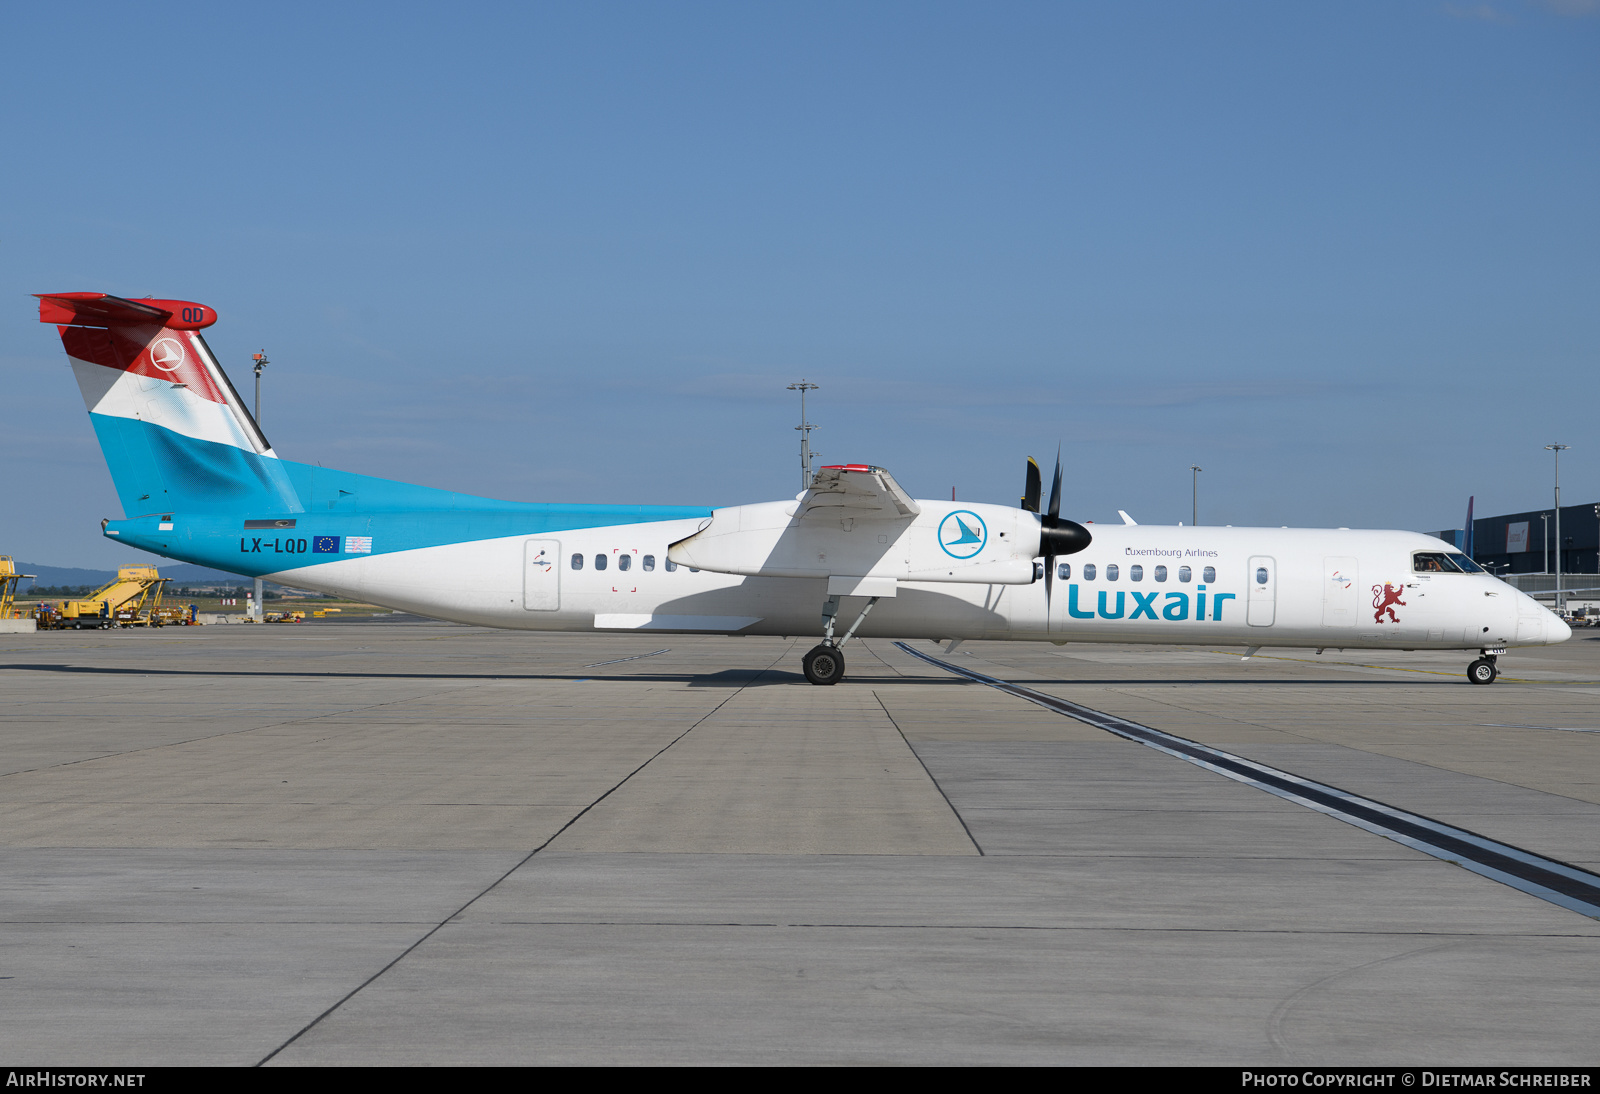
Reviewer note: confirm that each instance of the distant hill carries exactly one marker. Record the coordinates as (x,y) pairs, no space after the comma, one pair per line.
(182,572)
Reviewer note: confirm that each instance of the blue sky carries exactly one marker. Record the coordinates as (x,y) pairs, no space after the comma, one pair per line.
(1345,256)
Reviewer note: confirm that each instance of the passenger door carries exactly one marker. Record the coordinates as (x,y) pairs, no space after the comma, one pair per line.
(1263,591)
(541,575)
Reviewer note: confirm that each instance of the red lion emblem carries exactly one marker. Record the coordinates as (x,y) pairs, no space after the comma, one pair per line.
(1382,597)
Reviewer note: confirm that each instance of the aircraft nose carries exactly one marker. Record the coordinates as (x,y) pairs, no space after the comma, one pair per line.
(1556,630)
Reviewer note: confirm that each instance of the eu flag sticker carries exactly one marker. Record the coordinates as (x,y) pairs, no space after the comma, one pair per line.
(325,545)
(358,545)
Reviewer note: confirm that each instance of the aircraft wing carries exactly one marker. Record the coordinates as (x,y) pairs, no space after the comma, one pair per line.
(855,490)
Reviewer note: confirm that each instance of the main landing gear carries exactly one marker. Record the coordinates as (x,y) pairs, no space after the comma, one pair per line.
(824,664)
(1483,670)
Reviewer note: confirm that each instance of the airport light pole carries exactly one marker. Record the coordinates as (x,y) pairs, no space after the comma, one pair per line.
(805,429)
(1545,545)
(261,363)
(1194,493)
(1558,449)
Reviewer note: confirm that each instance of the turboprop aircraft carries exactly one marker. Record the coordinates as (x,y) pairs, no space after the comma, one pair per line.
(199,482)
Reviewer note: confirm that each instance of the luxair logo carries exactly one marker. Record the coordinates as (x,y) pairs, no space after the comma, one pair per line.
(962,534)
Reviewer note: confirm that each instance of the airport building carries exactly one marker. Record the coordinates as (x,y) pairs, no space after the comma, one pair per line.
(1525,543)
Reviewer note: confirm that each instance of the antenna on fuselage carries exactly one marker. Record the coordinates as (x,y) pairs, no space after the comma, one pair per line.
(805,429)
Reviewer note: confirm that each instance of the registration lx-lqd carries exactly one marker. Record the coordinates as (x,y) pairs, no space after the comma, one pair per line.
(852,556)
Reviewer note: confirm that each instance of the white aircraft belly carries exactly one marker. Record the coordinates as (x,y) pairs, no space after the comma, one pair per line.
(481,582)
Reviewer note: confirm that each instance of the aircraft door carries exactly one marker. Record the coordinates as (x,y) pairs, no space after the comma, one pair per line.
(1263,591)
(541,575)
(1341,592)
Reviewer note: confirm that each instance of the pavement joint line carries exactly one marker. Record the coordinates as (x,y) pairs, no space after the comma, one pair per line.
(437,927)
(635,657)
(1398,668)
(1454,937)
(1332,932)
(1560,883)
(931,778)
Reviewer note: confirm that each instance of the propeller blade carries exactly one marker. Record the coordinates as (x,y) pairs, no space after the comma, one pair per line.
(1056,536)
(1030,491)
(1055,490)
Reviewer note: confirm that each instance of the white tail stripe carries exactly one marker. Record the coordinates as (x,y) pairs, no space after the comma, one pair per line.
(120,394)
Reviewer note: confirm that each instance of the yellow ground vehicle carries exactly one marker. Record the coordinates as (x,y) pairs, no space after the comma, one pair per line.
(132,600)
(8,589)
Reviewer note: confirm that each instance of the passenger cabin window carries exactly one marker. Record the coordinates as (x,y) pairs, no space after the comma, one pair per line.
(1135,573)
(1064,570)
(1184,573)
(649,562)
(624,561)
(1261,575)
(1161,573)
(599,562)
(1111,572)
(1088,571)
(1209,573)
(671,565)
(1466,564)
(577,562)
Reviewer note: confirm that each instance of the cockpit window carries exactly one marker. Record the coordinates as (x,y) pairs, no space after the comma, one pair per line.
(1433,562)
(1465,563)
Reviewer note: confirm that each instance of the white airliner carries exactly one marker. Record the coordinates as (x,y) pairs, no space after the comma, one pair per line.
(854,555)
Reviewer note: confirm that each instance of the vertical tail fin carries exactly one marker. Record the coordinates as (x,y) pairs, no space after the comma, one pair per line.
(174,431)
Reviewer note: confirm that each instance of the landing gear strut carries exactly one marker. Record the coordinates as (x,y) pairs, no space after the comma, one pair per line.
(824,664)
(1483,670)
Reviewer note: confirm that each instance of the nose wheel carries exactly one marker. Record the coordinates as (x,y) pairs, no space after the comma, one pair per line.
(1483,671)
(824,665)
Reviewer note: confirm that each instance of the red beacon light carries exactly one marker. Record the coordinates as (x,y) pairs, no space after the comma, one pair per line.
(848,467)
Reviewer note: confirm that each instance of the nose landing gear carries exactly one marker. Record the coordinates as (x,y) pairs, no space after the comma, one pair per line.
(1483,670)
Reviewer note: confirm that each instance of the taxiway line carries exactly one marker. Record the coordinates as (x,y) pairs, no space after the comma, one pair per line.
(1549,879)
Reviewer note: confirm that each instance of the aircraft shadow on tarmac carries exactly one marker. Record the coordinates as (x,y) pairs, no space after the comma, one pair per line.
(727,678)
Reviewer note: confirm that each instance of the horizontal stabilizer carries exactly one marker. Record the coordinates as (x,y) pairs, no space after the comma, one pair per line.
(98,309)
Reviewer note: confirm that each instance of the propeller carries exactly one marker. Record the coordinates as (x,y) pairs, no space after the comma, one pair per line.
(1056,536)
(1030,492)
